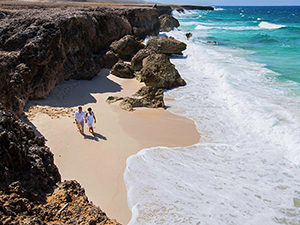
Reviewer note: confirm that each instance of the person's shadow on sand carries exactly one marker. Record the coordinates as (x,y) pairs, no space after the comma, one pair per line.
(96,137)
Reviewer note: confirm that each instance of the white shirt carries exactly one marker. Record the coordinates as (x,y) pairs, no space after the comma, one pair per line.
(79,116)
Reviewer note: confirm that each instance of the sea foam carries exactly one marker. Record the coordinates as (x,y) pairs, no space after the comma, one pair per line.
(267,25)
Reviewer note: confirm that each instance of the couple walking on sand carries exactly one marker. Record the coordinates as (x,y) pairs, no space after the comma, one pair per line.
(80,117)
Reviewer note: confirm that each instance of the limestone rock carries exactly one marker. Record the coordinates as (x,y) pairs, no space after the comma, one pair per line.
(122,70)
(109,59)
(113,99)
(126,46)
(137,60)
(168,23)
(159,72)
(149,97)
(166,45)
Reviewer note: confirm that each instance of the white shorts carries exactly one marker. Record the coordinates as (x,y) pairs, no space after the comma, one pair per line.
(90,125)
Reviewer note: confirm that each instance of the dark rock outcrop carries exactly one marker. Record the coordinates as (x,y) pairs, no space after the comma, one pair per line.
(166,45)
(188,35)
(137,60)
(159,72)
(109,59)
(168,23)
(126,46)
(41,47)
(122,70)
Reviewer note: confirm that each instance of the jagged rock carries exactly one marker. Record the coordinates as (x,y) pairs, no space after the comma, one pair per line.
(123,70)
(109,59)
(166,45)
(188,35)
(113,99)
(137,60)
(149,97)
(126,46)
(168,23)
(159,72)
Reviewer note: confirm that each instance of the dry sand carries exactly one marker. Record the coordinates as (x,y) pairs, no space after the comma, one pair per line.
(99,163)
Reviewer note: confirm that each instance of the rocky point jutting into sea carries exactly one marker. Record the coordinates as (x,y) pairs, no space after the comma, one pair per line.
(42,45)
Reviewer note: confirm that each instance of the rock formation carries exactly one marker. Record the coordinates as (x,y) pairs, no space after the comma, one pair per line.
(159,72)
(126,46)
(137,60)
(147,96)
(42,47)
(168,23)
(166,45)
(122,70)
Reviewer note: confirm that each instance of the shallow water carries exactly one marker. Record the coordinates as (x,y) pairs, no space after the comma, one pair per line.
(243,95)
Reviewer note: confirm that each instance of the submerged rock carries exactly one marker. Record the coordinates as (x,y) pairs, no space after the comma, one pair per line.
(188,35)
(168,23)
(122,70)
(159,72)
(127,46)
(166,45)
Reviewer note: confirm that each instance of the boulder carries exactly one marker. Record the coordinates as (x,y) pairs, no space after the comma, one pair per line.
(137,60)
(168,23)
(166,45)
(127,46)
(159,72)
(149,97)
(122,70)
(109,59)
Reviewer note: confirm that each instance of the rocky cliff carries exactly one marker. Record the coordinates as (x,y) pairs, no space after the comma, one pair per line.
(40,48)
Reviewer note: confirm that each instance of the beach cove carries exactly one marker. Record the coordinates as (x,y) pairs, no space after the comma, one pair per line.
(99,163)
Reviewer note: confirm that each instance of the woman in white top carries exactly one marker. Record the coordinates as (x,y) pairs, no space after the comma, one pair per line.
(90,118)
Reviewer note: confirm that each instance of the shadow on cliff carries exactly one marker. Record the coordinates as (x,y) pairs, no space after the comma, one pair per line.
(79,92)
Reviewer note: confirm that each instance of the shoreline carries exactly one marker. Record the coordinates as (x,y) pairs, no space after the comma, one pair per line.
(99,165)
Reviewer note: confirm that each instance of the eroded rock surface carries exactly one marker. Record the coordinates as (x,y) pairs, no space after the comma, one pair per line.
(137,60)
(168,23)
(41,47)
(122,70)
(166,45)
(147,96)
(126,46)
(159,72)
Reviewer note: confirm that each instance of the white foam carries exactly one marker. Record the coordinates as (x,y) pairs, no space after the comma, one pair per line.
(267,25)
(219,9)
(201,27)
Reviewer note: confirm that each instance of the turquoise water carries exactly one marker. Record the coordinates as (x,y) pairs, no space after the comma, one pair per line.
(272,33)
(243,94)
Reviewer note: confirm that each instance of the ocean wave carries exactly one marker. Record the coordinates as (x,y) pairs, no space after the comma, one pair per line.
(219,9)
(201,27)
(271,26)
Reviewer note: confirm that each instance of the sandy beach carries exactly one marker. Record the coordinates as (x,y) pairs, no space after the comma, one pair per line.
(98,162)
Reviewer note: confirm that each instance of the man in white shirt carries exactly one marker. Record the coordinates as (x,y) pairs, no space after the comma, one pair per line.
(79,117)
